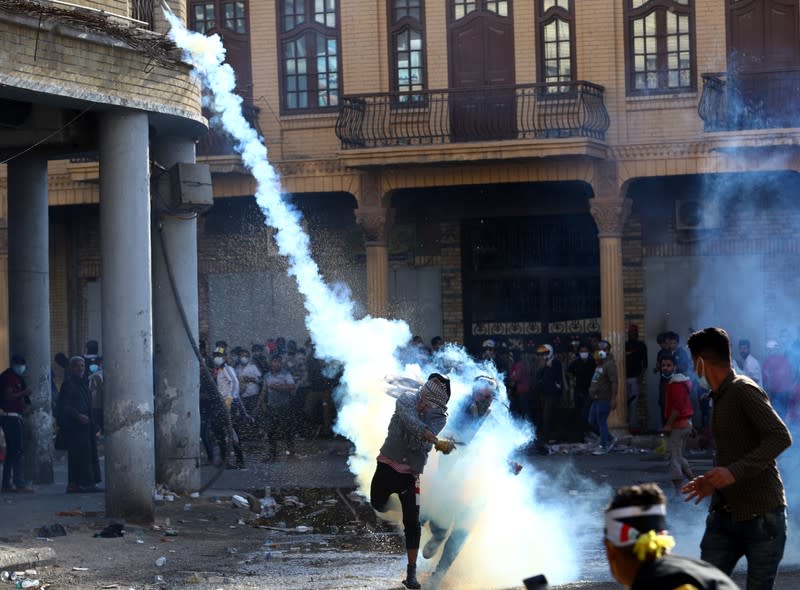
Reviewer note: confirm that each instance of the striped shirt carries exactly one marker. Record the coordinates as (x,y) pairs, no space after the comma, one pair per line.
(748,437)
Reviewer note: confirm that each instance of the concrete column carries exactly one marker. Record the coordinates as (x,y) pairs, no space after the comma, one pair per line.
(376,222)
(29,304)
(177,409)
(127,314)
(610,216)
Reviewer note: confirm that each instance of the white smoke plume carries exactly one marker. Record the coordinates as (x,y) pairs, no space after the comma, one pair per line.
(512,537)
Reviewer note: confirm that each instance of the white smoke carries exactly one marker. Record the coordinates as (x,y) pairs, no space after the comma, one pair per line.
(512,536)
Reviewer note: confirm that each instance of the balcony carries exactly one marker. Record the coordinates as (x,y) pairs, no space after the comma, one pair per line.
(488,114)
(217,142)
(763,100)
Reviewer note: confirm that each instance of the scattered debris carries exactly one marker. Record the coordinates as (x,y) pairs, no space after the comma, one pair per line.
(52,530)
(112,531)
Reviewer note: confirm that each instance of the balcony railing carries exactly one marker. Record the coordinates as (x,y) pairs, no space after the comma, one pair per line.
(217,142)
(524,111)
(763,100)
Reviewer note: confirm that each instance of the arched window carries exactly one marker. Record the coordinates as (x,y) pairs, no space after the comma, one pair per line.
(556,41)
(659,39)
(407,51)
(309,53)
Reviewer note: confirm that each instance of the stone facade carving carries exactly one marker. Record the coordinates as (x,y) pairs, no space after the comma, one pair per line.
(610,215)
(375,222)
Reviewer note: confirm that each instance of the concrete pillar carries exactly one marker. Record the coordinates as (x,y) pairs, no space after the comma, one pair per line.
(177,409)
(127,314)
(610,216)
(29,304)
(376,222)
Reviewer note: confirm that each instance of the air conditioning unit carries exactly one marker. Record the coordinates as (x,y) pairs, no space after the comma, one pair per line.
(694,214)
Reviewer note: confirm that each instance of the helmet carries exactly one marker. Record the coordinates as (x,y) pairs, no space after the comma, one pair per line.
(546,350)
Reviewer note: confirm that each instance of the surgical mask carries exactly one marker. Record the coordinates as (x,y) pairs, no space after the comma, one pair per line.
(218,361)
(602,354)
(93,368)
(19,369)
(244,359)
(584,355)
(701,378)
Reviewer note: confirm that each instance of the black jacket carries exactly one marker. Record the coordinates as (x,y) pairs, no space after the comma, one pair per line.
(673,571)
(74,399)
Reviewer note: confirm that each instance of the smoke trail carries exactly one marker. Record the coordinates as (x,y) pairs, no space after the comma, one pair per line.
(507,526)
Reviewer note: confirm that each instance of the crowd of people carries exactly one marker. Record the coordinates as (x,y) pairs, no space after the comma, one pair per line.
(271,392)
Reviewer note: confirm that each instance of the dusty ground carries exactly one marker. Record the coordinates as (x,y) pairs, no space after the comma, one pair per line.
(214,544)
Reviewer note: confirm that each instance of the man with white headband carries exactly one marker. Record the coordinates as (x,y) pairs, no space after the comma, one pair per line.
(637,546)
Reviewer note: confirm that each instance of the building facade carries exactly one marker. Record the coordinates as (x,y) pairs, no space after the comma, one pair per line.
(94,97)
(522,171)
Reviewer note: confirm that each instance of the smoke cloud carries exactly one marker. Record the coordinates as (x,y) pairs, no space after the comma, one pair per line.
(513,534)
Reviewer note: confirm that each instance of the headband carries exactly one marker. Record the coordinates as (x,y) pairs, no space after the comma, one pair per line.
(624,525)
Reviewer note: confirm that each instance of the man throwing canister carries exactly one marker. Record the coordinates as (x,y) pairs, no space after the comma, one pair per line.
(417,419)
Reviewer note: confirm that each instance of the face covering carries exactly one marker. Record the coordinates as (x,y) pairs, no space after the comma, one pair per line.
(244,359)
(602,354)
(93,368)
(218,361)
(701,378)
(584,355)
(19,369)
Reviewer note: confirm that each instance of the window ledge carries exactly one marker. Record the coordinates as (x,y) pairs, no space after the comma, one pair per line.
(681,100)
(666,96)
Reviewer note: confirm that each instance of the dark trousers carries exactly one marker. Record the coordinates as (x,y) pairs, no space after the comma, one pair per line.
(760,540)
(280,426)
(15,452)
(386,482)
(83,465)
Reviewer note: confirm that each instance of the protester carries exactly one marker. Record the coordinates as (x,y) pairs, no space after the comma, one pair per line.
(280,389)
(15,395)
(638,546)
(635,367)
(548,384)
(228,387)
(749,364)
(603,393)
(417,420)
(747,514)
(96,389)
(462,426)
(678,414)
(79,431)
(779,378)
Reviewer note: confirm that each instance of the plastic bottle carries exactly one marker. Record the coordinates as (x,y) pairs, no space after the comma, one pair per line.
(161,561)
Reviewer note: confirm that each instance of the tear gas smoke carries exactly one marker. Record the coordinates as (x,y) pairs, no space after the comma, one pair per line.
(511,536)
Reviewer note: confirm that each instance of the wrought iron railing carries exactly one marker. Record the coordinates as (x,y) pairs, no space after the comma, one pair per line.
(523,111)
(763,100)
(219,143)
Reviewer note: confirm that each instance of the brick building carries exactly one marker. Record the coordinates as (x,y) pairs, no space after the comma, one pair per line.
(499,168)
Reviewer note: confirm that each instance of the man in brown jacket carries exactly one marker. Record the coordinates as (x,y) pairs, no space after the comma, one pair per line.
(747,515)
(603,393)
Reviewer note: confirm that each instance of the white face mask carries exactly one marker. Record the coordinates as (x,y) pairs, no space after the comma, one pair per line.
(19,369)
(244,359)
(584,355)
(218,361)
(602,354)
(93,368)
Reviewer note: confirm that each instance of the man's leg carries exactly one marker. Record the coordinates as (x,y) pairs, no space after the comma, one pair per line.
(764,541)
(411,527)
(12,468)
(719,546)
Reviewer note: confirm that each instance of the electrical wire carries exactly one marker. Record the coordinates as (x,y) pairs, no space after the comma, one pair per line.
(56,132)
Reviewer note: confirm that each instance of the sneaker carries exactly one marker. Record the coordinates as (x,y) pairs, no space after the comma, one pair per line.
(613,442)
(600,451)
(430,548)
(411,581)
